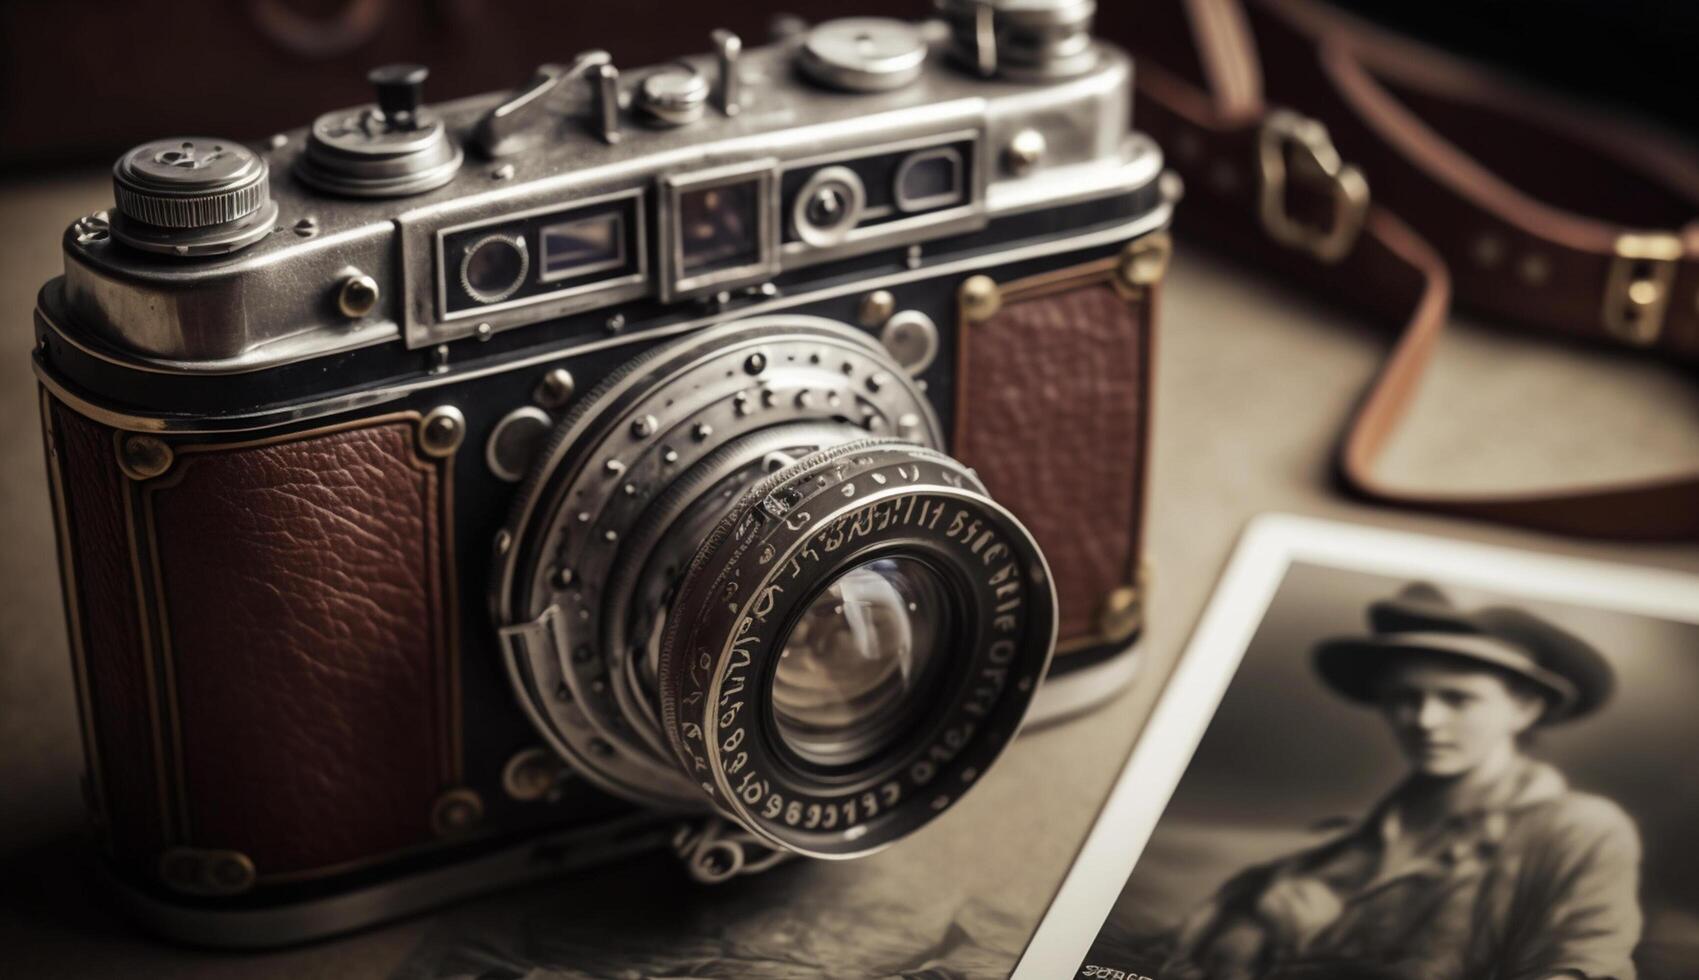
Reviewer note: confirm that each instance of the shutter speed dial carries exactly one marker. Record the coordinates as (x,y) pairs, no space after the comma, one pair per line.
(192,196)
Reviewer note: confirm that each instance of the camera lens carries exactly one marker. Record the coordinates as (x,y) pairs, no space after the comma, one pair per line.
(861,661)
(494,268)
(854,644)
(721,593)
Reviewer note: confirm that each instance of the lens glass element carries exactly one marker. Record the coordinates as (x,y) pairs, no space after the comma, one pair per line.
(494,267)
(859,667)
(719,227)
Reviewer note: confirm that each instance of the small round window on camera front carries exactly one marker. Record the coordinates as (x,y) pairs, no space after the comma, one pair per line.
(829,206)
(494,267)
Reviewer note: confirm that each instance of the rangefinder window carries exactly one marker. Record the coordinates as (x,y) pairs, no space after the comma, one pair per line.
(582,246)
(719,227)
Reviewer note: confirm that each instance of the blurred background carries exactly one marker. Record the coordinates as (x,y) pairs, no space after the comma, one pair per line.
(82,80)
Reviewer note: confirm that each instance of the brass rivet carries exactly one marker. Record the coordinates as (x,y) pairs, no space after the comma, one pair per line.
(556,388)
(980,298)
(1145,261)
(144,457)
(1488,251)
(456,812)
(441,431)
(358,296)
(1122,614)
(531,774)
(877,307)
(1644,293)
(197,871)
(1025,152)
(232,872)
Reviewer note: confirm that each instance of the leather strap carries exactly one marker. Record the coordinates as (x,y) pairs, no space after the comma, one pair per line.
(1550,214)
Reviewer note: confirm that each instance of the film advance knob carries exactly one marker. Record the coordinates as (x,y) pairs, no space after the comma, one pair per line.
(192,196)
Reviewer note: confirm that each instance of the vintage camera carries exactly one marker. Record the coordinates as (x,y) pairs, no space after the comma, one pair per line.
(709,456)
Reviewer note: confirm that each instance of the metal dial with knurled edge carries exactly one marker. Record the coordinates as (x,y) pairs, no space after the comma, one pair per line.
(192,196)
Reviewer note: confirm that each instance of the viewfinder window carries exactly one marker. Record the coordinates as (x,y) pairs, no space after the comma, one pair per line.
(930,179)
(719,227)
(582,246)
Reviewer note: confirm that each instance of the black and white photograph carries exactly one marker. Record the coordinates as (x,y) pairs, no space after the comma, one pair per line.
(1478,765)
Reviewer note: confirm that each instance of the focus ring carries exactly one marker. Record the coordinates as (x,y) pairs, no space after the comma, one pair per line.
(766,562)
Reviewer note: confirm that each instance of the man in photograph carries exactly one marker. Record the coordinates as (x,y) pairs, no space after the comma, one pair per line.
(1482,861)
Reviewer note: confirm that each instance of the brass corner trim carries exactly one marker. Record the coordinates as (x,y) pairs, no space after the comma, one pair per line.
(202,871)
(1120,615)
(1144,262)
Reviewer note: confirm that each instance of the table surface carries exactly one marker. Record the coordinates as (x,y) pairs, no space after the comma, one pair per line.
(1254,381)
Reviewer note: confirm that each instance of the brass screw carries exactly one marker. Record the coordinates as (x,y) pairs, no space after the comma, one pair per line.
(1122,613)
(358,296)
(195,871)
(1025,152)
(531,774)
(455,812)
(877,307)
(556,388)
(144,457)
(231,873)
(1145,262)
(441,431)
(980,298)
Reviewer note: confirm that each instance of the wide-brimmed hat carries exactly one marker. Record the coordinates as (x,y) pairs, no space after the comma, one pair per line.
(1572,675)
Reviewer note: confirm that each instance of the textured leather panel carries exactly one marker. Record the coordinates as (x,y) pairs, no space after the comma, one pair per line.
(115,665)
(304,589)
(1052,415)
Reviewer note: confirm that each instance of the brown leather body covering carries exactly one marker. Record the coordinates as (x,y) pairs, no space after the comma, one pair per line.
(293,643)
(1053,414)
(1527,208)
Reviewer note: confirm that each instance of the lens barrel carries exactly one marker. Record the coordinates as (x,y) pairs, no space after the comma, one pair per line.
(762,569)
(741,577)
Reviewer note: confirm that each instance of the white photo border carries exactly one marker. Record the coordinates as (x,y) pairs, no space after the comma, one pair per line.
(1270,545)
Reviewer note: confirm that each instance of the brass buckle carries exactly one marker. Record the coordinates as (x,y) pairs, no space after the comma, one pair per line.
(1318,161)
(1637,294)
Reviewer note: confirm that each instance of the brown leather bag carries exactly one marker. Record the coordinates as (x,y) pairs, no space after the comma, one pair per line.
(1572,223)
